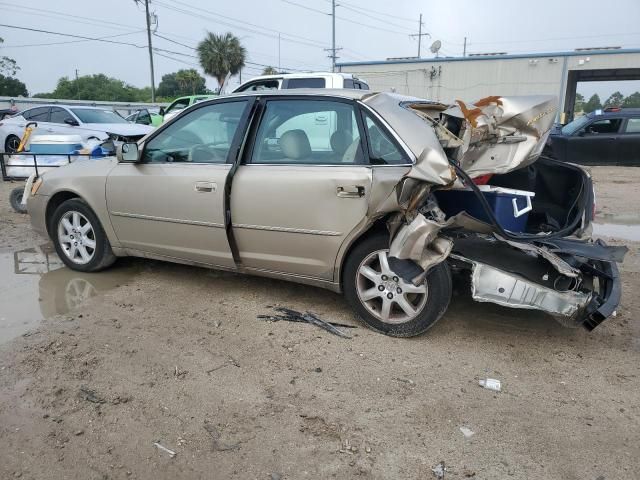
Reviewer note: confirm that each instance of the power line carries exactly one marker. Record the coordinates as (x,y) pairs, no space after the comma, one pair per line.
(214,17)
(72,35)
(369,10)
(69,41)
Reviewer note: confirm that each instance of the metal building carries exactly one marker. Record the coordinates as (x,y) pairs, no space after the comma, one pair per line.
(470,78)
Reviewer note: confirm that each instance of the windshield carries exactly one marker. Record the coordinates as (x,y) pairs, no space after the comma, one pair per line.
(91,115)
(572,127)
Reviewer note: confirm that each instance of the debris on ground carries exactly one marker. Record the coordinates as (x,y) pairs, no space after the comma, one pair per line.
(91,395)
(307,317)
(467,432)
(215,438)
(490,384)
(439,470)
(159,446)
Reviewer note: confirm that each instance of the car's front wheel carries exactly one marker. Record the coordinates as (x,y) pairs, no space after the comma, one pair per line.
(11,144)
(384,301)
(79,238)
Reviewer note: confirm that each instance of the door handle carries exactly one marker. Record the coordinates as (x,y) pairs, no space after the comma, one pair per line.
(206,187)
(49,129)
(350,191)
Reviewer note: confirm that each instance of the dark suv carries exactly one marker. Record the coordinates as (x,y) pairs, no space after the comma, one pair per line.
(603,137)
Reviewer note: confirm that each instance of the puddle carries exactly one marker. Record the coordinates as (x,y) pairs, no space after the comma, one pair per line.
(36,285)
(618,231)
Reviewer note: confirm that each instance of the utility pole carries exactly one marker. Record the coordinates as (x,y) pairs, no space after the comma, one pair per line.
(153,84)
(333,35)
(464,51)
(279,67)
(77,86)
(333,50)
(420,35)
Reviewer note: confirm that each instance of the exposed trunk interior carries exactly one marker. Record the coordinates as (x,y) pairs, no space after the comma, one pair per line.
(563,192)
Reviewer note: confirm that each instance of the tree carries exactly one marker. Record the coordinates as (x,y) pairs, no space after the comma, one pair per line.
(182,82)
(269,71)
(221,55)
(98,87)
(8,65)
(592,104)
(12,87)
(632,100)
(615,100)
(579,105)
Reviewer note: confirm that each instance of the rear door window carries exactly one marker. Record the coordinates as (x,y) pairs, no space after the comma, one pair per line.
(306,83)
(315,132)
(633,125)
(606,125)
(259,85)
(40,114)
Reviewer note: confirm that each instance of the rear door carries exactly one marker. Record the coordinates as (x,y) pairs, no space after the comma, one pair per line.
(172,203)
(303,187)
(629,142)
(595,144)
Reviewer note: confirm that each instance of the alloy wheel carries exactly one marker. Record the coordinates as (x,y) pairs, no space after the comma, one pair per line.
(385,295)
(77,237)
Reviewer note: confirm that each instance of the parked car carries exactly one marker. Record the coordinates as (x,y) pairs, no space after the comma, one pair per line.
(603,137)
(88,122)
(238,184)
(145,117)
(181,103)
(303,80)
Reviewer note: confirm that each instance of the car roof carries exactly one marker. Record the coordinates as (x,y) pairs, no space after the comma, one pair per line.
(304,75)
(86,107)
(615,113)
(349,93)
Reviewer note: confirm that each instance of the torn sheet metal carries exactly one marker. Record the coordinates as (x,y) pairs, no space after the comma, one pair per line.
(419,241)
(489,284)
(558,263)
(494,134)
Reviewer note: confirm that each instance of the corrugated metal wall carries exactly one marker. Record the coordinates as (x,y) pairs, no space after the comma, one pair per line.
(447,80)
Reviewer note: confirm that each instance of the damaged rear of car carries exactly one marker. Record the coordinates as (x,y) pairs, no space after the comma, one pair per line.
(482,199)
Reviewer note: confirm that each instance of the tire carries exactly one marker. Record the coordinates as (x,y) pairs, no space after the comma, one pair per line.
(11,144)
(15,198)
(71,240)
(428,307)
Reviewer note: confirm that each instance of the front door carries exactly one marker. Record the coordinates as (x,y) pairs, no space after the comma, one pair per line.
(171,203)
(303,188)
(595,144)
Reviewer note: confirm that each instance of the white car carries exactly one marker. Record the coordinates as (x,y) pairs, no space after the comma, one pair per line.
(303,80)
(88,122)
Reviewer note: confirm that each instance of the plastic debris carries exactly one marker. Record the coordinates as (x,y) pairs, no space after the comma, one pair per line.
(439,470)
(164,449)
(467,432)
(308,317)
(490,384)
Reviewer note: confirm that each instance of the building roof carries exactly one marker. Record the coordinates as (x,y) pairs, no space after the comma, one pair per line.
(473,58)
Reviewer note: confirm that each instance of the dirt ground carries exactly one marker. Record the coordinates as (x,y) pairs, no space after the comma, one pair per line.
(95,369)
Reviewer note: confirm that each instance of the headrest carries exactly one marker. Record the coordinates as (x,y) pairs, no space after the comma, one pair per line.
(295,144)
(340,141)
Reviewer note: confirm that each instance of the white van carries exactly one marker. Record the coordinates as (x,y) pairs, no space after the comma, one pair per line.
(303,80)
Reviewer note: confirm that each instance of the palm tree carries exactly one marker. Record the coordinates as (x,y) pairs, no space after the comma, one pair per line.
(269,71)
(220,55)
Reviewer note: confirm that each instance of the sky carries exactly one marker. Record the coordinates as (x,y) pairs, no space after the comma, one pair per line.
(293,34)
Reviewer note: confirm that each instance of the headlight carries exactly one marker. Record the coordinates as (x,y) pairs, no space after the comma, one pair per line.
(36,185)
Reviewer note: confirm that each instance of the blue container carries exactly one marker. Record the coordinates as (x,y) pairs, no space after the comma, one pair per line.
(510,207)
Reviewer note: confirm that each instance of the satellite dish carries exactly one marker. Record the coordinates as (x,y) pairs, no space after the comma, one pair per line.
(435,47)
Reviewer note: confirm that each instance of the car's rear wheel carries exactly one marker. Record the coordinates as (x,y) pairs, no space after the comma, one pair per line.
(384,301)
(79,238)
(11,144)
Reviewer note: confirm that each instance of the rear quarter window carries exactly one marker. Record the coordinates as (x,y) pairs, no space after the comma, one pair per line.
(306,83)
(633,126)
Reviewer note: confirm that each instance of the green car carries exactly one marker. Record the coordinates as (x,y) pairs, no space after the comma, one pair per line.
(181,103)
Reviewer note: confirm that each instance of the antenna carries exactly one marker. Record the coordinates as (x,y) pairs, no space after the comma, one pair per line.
(435,47)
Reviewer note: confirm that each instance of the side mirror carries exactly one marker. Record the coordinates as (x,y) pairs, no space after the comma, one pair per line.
(161,111)
(71,121)
(127,153)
